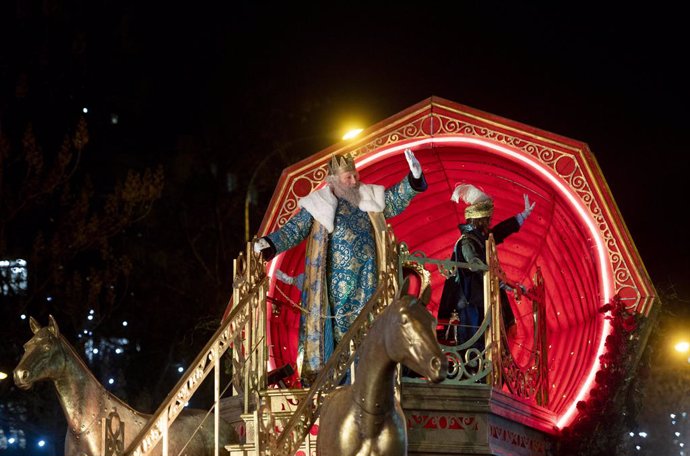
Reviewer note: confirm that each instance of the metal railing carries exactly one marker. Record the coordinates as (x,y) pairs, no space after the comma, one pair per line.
(529,380)
(469,361)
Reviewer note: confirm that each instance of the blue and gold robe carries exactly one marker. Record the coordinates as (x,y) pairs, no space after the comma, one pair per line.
(341,270)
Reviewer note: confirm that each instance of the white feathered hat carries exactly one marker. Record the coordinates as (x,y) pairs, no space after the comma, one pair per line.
(479,204)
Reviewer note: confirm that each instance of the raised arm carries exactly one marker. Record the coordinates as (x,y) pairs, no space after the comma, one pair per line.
(287,237)
(398,197)
(513,224)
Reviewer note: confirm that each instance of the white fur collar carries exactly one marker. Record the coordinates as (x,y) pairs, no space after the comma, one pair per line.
(322,203)
(373,198)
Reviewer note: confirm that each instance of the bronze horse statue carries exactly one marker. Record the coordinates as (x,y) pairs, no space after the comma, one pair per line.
(365,418)
(89,407)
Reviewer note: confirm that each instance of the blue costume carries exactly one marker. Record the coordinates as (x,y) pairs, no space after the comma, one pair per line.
(341,269)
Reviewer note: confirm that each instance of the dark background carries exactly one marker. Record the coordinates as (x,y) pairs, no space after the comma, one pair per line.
(208,90)
(238,79)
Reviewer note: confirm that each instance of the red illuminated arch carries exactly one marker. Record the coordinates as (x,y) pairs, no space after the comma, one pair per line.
(575,233)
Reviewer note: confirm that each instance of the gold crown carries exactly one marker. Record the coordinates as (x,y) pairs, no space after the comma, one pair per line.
(480,210)
(345,163)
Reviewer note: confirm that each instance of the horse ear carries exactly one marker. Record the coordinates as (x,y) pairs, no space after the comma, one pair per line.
(426,296)
(33,324)
(404,287)
(52,326)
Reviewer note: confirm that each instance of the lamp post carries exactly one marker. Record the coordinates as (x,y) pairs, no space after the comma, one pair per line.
(247,198)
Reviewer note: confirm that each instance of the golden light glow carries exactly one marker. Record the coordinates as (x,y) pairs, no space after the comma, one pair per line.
(682,347)
(352,133)
(3,375)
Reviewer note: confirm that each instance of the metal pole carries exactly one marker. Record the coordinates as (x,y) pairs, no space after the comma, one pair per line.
(281,148)
(216,399)
(164,429)
(247,198)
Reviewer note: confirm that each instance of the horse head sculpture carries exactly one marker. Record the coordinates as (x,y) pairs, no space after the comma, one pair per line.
(42,358)
(365,418)
(413,343)
(92,411)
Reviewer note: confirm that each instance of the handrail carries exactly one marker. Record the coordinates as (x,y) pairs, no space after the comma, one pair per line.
(529,382)
(249,293)
(469,364)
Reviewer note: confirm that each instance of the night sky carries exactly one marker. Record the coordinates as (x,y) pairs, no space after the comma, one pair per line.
(239,77)
(611,77)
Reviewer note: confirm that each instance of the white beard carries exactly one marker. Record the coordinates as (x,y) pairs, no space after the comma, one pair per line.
(349,194)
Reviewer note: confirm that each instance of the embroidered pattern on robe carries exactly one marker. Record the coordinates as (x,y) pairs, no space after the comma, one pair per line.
(349,255)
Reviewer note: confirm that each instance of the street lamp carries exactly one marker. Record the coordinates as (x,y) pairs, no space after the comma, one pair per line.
(352,133)
(682,347)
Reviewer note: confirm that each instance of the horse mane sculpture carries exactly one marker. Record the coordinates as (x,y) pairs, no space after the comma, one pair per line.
(365,418)
(91,411)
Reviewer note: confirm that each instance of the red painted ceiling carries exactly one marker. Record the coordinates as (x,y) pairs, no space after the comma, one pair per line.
(550,238)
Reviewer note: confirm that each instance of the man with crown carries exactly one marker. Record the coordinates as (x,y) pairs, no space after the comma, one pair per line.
(464,291)
(341,221)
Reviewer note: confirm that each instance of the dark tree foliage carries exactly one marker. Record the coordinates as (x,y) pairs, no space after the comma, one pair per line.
(664,382)
(53,219)
(103,235)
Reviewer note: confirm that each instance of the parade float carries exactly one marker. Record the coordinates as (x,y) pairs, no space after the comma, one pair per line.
(513,395)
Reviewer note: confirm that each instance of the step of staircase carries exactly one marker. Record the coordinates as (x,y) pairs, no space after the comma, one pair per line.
(282,403)
(282,400)
(249,448)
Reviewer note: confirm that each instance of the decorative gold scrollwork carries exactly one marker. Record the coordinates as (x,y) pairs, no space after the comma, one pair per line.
(113,435)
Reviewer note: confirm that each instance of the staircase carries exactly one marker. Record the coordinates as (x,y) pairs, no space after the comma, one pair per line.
(283,404)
